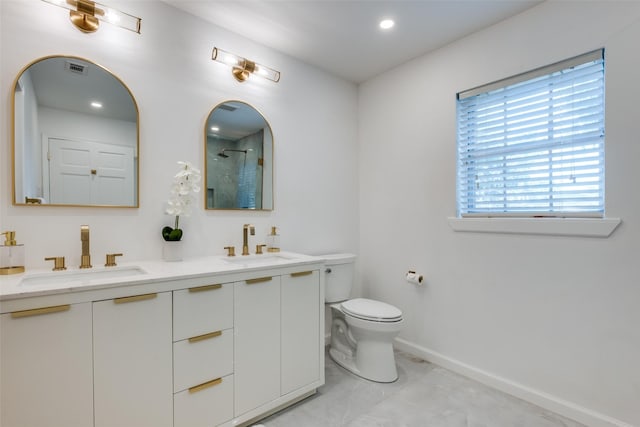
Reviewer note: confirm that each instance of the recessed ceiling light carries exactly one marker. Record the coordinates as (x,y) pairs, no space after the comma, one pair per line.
(96,104)
(215,128)
(385,24)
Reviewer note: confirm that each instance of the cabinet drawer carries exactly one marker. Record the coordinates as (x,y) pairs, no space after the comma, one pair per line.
(209,406)
(203,309)
(198,360)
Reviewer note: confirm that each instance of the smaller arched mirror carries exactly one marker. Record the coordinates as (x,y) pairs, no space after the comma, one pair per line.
(238,158)
(75,136)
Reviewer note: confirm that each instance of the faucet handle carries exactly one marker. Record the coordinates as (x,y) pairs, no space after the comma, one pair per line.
(259,249)
(111,260)
(231,250)
(58,263)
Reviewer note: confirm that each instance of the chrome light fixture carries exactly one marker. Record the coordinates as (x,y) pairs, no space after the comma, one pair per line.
(241,67)
(87,14)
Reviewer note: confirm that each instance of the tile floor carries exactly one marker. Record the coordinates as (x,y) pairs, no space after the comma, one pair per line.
(425,395)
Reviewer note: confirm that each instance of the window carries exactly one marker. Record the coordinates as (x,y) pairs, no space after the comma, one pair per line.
(533,144)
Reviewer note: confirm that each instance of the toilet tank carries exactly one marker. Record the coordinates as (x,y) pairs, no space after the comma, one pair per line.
(339,269)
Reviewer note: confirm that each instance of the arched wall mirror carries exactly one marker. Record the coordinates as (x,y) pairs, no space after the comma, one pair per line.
(238,158)
(75,136)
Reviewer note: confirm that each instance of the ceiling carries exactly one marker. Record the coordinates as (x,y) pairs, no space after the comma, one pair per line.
(234,120)
(71,84)
(343,37)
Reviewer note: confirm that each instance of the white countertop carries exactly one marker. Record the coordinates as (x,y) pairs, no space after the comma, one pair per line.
(35,282)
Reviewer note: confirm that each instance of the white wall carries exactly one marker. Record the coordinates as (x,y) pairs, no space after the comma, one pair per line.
(86,127)
(552,319)
(176,84)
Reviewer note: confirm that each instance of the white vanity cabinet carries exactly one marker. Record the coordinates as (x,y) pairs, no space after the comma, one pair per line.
(46,367)
(300,314)
(133,361)
(203,355)
(257,342)
(210,348)
(278,339)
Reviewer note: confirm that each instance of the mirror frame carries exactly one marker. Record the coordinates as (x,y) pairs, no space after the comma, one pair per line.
(13,137)
(204,186)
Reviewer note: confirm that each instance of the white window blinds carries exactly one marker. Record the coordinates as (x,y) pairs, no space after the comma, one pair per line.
(533,144)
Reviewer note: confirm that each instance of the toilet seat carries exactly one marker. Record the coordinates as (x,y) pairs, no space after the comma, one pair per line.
(371,310)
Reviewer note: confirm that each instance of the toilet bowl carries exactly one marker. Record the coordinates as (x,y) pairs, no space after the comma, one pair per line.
(362,330)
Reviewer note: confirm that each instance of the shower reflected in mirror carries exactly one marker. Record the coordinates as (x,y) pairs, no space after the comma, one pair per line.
(239,158)
(224,156)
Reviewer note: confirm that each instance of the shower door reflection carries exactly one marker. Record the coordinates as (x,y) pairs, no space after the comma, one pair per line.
(239,152)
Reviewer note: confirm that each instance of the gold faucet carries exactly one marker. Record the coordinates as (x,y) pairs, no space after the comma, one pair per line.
(85,259)
(246,229)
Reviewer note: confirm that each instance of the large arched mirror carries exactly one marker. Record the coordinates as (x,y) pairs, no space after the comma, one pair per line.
(75,136)
(238,158)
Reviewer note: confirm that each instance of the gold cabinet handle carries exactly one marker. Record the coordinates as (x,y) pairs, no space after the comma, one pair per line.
(258,280)
(38,311)
(301,273)
(134,298)
(203,386)
(204,288)
(205,336)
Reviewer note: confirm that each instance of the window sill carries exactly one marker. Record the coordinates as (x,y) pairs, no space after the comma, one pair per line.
(582,227)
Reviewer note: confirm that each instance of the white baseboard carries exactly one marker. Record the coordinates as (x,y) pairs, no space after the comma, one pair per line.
(542,399)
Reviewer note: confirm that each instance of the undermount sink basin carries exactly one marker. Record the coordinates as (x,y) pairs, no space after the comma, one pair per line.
(262,260)
(81,276)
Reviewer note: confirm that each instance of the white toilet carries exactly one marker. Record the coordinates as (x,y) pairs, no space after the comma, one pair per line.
(362,330)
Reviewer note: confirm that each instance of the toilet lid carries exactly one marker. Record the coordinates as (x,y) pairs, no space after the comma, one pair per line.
(368,309)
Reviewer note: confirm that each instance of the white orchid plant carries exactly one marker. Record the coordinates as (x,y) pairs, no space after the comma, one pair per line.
(185,184)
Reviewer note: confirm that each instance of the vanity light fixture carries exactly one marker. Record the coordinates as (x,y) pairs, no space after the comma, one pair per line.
(241,67)
(87,14)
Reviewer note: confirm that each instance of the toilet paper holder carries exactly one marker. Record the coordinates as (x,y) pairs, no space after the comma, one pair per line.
(413,277)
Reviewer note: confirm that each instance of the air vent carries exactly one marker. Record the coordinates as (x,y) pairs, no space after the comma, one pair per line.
(76,68)
(227,107)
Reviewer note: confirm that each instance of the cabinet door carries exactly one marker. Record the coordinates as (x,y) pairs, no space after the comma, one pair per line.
(300,330)
(257,343)
(46,367)
(133,361)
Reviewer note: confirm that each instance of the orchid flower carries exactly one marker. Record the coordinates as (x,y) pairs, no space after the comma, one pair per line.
(185,184)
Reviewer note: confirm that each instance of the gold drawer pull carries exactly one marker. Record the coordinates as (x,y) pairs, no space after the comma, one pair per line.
(301,273)
(134,298)
(205,336)
(258,280)
(205,288)
(203,386)
(38,311)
